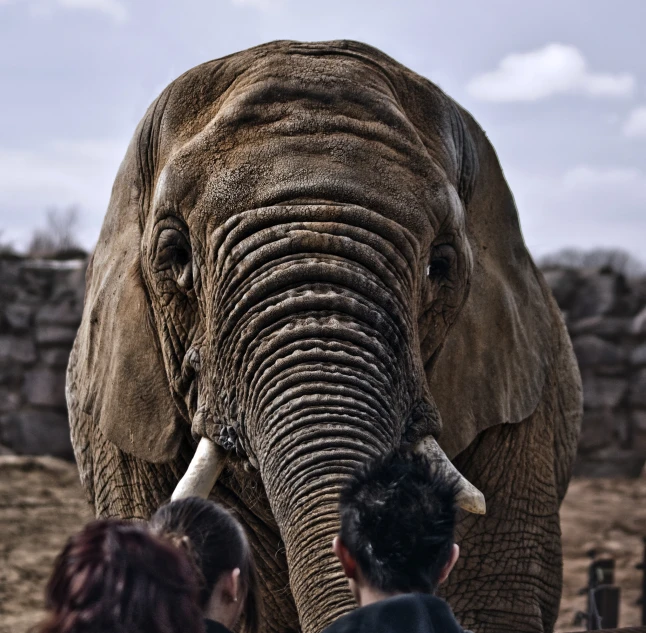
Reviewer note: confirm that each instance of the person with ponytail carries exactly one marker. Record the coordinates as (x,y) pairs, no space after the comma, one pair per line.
(223,561)
(118,577)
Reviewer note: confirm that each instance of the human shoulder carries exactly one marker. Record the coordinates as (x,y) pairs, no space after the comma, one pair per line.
(211,626)
(413,613)
(346,623)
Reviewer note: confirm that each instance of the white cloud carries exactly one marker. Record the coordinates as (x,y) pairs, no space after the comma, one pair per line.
(113,9)
(635,125)
(59,174)
(585,176)
(263,5)
(553,69)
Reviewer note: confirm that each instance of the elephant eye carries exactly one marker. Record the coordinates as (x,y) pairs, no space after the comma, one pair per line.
(174,255)
(180,255)
(443,258)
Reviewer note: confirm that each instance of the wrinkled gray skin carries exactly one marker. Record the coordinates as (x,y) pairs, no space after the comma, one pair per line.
(311,256)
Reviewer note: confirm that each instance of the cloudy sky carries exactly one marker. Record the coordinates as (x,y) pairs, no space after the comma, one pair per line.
(558,85)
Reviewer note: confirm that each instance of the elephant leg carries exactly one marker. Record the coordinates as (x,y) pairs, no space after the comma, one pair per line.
(509,574)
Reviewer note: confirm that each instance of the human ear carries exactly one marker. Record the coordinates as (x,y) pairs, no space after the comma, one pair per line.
(231,586)
(453,558)
(345,558)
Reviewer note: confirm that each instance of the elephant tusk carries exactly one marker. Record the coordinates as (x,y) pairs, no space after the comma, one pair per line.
(203,471)
(469,498)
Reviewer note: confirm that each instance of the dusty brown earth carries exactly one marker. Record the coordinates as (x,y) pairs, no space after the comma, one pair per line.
(41,503)
(608,515)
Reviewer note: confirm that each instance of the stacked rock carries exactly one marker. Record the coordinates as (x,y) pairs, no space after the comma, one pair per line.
(606,317)
(41,302)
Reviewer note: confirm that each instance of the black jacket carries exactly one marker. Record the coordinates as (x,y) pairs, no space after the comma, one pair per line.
(211,626)
(408,613)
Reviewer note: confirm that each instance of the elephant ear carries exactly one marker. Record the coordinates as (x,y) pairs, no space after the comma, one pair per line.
(493,365)
(119,378)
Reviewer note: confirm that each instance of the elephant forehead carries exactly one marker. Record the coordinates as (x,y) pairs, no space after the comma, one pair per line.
(329,132)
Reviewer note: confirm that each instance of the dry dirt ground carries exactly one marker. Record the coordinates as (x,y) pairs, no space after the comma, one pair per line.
(41,503)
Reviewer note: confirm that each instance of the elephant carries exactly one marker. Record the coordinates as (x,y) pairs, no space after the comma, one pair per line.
(311,257)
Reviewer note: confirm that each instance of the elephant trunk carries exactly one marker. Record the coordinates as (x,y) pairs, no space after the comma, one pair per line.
(310,367)
(314,367)
(303,485)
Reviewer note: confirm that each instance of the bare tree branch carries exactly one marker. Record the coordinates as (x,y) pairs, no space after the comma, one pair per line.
(613,259)
(59,236)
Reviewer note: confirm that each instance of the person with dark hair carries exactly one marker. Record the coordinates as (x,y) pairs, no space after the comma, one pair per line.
(396,546)
(114,577)
(218,546)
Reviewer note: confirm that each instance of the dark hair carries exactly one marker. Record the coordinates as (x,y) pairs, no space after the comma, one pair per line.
(398,522)
(118,577)
(217,544)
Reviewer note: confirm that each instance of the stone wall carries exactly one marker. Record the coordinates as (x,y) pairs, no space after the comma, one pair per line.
(41,305)
(606,317)
(40,310)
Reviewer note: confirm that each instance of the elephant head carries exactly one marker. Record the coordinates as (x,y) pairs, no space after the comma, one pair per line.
(310,257)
